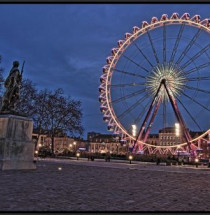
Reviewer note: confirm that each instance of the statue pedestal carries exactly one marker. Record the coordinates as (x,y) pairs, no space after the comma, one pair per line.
(16,147)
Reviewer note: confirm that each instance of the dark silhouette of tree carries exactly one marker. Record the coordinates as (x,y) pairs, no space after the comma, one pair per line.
(52,112)
(40,115)
(28,93)
(63,114)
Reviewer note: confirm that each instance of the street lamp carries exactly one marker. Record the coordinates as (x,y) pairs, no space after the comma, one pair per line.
(196,162)
(78,154)
(36,154)
(70,147)
(130,158)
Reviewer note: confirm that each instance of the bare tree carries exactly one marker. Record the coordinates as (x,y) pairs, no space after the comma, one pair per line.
(51,111)
(28,93)
(63,114)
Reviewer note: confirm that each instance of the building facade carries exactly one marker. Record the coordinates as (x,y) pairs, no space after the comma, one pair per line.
(103,143)
(168,137)
(153,139)
(61,142)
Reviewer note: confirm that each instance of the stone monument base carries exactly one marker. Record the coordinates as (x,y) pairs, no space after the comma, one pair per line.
(16,147)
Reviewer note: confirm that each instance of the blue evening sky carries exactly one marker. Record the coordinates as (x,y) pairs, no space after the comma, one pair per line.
(66,45)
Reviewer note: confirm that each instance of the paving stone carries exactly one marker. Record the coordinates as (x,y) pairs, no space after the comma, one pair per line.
(103,186)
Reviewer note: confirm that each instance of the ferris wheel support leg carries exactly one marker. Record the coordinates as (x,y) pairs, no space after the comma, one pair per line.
(139,136)
(152,119)
(135,146)
(145,120)
(179,118)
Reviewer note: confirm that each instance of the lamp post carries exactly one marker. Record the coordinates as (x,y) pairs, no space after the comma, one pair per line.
(130,157)
(36,155)
(117,148)
(78,154)
(36,152)
(196,162)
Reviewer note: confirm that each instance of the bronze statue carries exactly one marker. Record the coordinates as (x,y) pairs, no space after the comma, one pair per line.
(12,85)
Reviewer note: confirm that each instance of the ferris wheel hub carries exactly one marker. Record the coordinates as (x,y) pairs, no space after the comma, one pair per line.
(169,73)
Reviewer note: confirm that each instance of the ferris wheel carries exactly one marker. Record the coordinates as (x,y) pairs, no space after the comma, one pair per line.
(158,77)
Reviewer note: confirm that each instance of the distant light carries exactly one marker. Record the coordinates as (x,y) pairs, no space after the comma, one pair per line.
(59,168)
(130,157)
(70,145)
(40,145)
(177,129)
(74,143)
(78,154)
(36,152)
(196,160)
(134,130)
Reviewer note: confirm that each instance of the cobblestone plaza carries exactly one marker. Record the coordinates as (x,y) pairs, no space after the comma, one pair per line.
(81,185)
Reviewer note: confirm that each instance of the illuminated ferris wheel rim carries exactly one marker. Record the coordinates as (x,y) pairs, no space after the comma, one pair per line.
(178,145)
(124,44)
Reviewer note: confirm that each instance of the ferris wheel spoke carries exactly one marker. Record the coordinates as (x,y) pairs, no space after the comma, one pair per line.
(153,48)
(133,84)
(199,79)
(135,63)
(203,50)
(164,113)
(198,103)
(189,114)
(177,43)
(129,73)
(141,114)
(143,54)
(188,47)
(164,43)
(197,89)
(132,107)
(202,66)
(129,96)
